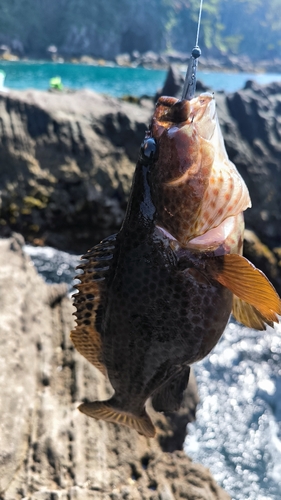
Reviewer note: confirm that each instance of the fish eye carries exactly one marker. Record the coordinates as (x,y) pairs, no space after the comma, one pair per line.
(148,148)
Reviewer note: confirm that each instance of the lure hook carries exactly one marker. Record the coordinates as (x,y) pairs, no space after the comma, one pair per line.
(190,78)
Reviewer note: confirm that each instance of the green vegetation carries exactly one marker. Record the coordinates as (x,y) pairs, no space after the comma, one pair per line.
(103,28)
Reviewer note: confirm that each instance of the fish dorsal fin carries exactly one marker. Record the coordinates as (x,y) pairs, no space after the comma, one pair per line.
(249,284)
(248,315)
(89,301)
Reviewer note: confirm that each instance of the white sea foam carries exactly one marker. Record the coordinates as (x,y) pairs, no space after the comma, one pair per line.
(54,265)
(238,427)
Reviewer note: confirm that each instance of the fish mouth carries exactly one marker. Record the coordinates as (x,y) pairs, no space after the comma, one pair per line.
(227,232)
(216,235)
(199,113)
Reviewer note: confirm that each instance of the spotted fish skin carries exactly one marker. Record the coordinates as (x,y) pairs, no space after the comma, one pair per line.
(166,313)
(157,311)
(156,297)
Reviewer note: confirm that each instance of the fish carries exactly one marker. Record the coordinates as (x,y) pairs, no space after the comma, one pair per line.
(156,297)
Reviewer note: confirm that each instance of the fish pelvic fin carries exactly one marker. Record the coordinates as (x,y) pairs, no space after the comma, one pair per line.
(102,410)
(168,398)
(251,286)
(248,315)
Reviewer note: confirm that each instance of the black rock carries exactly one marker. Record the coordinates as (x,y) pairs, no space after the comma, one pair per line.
(173,84)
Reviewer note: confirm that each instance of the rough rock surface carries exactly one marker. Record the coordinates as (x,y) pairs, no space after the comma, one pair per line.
(173,84)
(50,451)
(251,126)
(66,164)
(67,160)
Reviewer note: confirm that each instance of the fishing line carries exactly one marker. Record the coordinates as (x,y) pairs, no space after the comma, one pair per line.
(199,23)
(189,86)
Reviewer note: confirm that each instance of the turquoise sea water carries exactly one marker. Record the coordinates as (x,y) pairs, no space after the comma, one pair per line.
(116,81)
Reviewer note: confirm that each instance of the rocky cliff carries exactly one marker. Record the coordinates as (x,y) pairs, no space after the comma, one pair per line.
(67,160)
(50,451)
(66,163)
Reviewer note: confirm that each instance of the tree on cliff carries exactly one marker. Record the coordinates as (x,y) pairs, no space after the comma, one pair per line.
(104,29)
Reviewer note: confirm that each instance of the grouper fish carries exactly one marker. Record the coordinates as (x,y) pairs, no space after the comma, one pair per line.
(156,297)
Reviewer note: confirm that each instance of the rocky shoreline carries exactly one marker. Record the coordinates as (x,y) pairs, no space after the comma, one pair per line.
(48,449)
(223,63)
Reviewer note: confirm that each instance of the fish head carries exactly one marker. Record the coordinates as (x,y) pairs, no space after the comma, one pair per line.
(194,186)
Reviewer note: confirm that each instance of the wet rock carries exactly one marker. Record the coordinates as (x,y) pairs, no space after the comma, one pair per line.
(66,163)
(48,450)
(173,84)
(4,49)
(123,59)
(149,59)
(174,56)
(251,128)
(135,55)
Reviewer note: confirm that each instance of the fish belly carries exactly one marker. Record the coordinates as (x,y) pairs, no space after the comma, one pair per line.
(159,319)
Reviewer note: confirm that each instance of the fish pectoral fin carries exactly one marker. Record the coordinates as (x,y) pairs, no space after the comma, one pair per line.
(249,284)
(102,410)
(169,396)
(248,315)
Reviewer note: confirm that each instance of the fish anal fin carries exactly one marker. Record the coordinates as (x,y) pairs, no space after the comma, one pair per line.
(248,283)
(169,397)
(248,315)
(88,342)
(102,410)
(85,336)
